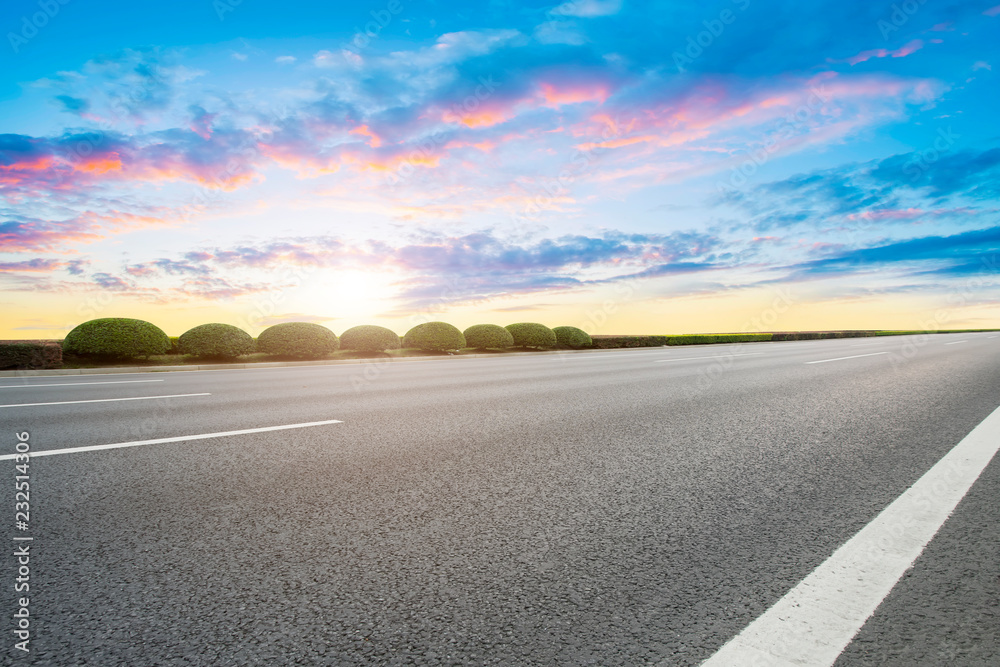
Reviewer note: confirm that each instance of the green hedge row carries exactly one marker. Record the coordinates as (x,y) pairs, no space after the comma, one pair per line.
(708,339)
(613,342)
(817,335)
(30,355)
(123,338)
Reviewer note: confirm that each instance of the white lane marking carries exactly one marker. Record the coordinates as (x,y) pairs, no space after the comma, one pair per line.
(99,400)
(714,356)
(856,356)
(183,438)
(956,342)
(816,620)
(991,336)
(71,384)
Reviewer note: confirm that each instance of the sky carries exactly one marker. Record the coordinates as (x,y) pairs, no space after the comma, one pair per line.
(621,166)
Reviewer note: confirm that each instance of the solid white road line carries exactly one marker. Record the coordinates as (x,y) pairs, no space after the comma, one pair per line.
(856,356)
(71,384)
(818,618)
(956,342)
(183,438)
(99,400)
(714,356)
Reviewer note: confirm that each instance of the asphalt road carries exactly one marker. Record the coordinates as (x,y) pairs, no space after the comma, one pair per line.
(622,507)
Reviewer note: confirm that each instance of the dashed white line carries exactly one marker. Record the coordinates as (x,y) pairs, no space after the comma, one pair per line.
(814,621)
(99,400)
(159,441)
(855,356)
(714,356)
(956,342)
(71,384)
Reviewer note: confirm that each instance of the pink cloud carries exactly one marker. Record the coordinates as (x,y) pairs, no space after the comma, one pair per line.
(554,96)
(373,139)
(901,52)
(31,165)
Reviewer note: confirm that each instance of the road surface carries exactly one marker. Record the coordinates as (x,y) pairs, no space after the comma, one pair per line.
(621,507)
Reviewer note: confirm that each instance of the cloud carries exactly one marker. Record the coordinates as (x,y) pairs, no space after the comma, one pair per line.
(588,8)
(132,85)
(21,234)
(910,47)
(110,282)
(959,254)
(74,105)
(37,265)
(434,268)
(285,60)
(216,159)
(876,191)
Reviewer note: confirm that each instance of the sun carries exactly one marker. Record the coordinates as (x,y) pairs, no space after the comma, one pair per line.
(353,294)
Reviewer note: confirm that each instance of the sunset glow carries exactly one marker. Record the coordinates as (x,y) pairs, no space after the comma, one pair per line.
(528,164)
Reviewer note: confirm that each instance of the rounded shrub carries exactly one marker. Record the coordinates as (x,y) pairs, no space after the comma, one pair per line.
(488,336)
(116,337)
(216,340)
(435,336)
(531,334)
(369,338)
(304,340)
(572,337)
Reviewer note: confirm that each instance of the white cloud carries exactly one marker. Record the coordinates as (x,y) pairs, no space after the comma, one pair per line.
(559,32)
(285,60)
(588,8)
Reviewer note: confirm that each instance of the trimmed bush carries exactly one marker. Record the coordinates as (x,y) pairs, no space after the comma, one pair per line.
(572,337)
(488,337)
(222,341)
(434,336)
(175,345)
(531,334)
(30,354)
(116,337)
(303,340)
(369,338)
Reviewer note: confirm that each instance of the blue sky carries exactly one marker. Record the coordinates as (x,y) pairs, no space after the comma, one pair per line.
(626,167)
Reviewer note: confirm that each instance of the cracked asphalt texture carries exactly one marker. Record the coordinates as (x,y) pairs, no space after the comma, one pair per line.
(589,508)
